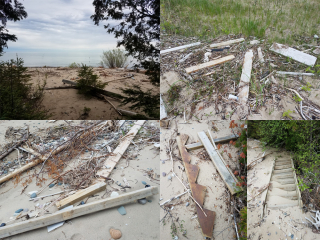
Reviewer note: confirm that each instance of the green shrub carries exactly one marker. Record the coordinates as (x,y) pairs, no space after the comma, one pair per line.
(115,58)
(243,223)
(75,65)
(88,82)
(19,99)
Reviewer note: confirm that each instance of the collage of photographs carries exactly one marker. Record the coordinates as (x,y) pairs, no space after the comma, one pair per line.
(160,120)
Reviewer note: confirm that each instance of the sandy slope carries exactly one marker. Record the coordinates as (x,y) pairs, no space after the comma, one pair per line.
(278,223)
(67,104)
(140,222)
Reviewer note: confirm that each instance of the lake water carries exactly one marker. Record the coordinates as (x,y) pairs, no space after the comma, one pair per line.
(61,59)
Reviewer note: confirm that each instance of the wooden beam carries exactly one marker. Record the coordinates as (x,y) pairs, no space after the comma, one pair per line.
(198,145)
(294,54)
(219,164)
(111,161)
(87,192)
(209,64)
(245,77)
(180,47)
(163,111)
(227,43)
(294,73)
(78,211)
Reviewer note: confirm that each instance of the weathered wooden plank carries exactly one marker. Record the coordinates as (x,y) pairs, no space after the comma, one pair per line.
(111,161)
(294,73)
(227,43)
(89,191)
(180,47)
(209,64)
(245,77)
(294,54)
(220,166)
(78,211)
(198,145)
(163,111)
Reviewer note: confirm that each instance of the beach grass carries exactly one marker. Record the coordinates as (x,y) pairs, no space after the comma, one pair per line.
(277,20)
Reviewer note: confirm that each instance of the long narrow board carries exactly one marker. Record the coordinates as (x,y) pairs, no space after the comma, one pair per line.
(163,111)
(78,211)
(220,166)
(294,73)
(180,47)
(198,191)
(294,54)
(245,77)
(198,145)
(111,161)
(209,64)
(222,44)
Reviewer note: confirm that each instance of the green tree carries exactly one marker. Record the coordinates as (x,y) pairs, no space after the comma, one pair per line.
(19,99)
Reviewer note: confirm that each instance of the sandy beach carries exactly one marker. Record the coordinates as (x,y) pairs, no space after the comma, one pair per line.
(141,158)
(68,104)
(217,196)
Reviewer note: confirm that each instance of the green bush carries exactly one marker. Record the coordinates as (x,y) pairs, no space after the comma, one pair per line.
(19,99)
(115,58)
(88,83)
(75,65)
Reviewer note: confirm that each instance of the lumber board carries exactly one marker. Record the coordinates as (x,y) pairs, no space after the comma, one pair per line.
(198,145)
(179,48)
(78,211)
(87,192)
(245,77)
(220,166)
(226,43)
(111,161)
(294,54)
(163,111)
(101,91)
(209,64)
(294,73)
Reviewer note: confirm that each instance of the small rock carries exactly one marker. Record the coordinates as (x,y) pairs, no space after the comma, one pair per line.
(254,42)
(149,200)
(26,210)
(316,36)
(311,205)
(2,224)
(52,185)
(164,174)
(147,186)
(316,51)
(142,201)
(273,65)
(169,177)
(5,172)
(114,194)
(122,210)
(187,204)
(19,210)
(163,162)
(108,167)
(82,203)
(176,238)
(144,183)
(33,195)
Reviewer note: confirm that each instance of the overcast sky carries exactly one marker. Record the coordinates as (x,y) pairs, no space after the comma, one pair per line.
(54,25)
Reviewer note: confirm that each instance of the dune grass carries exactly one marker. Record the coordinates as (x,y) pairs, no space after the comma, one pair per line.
(278,20)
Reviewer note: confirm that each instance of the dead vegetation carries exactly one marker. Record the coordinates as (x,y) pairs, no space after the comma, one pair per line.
(214,92)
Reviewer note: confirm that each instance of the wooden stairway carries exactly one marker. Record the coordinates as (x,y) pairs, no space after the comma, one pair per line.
(284,191)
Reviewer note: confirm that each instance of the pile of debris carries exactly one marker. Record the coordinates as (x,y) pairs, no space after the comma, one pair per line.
(78,158)
(236,78)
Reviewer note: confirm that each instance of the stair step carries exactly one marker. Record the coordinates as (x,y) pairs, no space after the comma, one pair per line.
(283,167)
(280,202)
(281,171)
(282,163)
(282,193)
(283,176)
(284,181)
(287,187)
